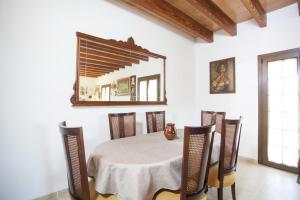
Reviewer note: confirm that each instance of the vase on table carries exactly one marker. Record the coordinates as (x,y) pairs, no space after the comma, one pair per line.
(170,131)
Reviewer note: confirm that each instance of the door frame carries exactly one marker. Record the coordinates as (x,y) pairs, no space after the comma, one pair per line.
(263,104)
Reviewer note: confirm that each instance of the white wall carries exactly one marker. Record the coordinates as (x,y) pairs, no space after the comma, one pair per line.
(37,53)
(38,60)
(281,33)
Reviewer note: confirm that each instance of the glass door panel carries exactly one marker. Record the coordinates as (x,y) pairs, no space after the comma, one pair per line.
(283,112)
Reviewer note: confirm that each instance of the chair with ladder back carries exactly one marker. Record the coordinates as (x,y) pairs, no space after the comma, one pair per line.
(122,125)
(155,121)
(80,188)
(223,173)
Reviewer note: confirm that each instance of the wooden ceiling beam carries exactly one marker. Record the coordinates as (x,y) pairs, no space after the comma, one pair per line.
(110,56)
(98,51)
(83,64)
(173,16)
(82,68)
(212,11)
(111,49)
(257,11)
(104,48)
(93,75)
(98,62)
(129,46)
(92,71)
(90,76)
(106,60)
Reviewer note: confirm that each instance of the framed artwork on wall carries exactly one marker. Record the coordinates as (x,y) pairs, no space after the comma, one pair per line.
(222,76)
(123,86)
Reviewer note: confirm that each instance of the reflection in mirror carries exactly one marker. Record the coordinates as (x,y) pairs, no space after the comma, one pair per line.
(116,71)
(139,82)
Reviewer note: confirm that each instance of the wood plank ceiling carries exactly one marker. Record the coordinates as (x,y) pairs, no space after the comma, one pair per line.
(98,56)
(200,18)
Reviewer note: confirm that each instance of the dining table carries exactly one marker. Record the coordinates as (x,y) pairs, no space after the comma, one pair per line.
(135,168)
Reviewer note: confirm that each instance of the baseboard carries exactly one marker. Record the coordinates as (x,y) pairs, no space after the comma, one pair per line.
(62,194)
(247,159)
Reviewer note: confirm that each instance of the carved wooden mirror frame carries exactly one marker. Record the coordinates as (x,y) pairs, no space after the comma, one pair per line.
(113,46)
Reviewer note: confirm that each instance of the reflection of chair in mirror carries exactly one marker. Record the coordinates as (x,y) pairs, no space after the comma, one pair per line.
(122,125)
(195,162)
(223,174)
(79,186)
(155,121)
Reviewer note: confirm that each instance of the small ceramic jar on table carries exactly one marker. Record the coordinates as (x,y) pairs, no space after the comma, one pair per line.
(170,131)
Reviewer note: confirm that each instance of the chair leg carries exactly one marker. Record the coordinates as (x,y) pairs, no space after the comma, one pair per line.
(220,193)
(233,191)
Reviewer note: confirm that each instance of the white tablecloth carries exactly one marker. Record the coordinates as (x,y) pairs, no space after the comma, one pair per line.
(135,168)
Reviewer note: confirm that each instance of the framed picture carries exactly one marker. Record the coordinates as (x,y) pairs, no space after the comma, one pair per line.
(123,86)
(222,76)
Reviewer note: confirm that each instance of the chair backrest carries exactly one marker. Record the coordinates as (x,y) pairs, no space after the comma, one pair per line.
(230,140)
(76,163)
(208,118)
(211,117)
(155,121)
(218,121)
(122,125)
(196,159)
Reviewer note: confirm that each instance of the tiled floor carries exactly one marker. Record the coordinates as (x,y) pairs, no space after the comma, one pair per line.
(254,182)
(258,182)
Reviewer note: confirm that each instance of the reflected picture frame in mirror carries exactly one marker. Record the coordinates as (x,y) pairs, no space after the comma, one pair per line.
(123,86)
(98,59)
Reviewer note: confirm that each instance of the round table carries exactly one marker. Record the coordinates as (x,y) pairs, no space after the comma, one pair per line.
(135,168)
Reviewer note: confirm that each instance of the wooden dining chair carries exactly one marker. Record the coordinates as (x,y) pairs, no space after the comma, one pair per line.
(80,188)
(208,118)
(155,121)
(223,174)
(122,125)
(218,120)
(195,166)
(211,117)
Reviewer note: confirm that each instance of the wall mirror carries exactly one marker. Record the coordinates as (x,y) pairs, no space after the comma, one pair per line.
(111,72)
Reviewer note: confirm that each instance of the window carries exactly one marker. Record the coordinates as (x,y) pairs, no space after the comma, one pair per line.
(149,88)
(105,92)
